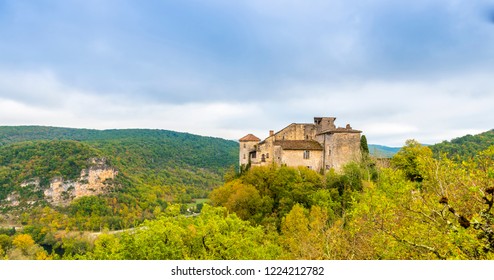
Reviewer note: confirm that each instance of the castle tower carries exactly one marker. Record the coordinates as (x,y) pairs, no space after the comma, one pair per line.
(324,124)
(248,145)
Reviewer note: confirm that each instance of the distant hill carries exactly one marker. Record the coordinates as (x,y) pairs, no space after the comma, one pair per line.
(380,151)
(155,147)
(466,146)
(154,167)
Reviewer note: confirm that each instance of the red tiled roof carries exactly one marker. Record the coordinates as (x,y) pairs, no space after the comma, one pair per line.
(299,145)
(249,137)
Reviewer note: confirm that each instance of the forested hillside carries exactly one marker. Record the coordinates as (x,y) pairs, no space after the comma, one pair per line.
(43,161)
(465,147)
(155,167)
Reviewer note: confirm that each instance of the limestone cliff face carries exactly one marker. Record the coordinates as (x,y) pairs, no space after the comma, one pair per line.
(94,180)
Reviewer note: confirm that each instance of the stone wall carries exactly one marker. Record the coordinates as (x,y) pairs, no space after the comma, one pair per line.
(266,151)
(341,148)
(296,158)
(296,132)
(245,148)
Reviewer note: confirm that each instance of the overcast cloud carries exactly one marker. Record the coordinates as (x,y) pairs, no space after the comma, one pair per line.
(395,70)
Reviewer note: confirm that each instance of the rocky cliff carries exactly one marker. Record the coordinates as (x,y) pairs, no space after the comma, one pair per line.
(96,179)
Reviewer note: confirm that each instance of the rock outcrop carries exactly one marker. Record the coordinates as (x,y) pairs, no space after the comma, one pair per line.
(96,179)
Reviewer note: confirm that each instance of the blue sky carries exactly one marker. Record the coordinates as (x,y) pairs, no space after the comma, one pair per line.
(396,70)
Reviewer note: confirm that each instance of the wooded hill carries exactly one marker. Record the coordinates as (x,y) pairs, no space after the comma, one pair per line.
(155,166)
(466,146)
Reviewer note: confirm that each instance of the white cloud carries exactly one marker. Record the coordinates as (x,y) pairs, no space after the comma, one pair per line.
(396,71)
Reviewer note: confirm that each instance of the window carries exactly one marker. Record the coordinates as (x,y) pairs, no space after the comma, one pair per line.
(263,158)
(309,167)
(244,146)
(306,154)
(267,155)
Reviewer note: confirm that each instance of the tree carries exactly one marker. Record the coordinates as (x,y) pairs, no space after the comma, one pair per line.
(407,159)
(214,234)
(363,146)
(447,216)
(24,248)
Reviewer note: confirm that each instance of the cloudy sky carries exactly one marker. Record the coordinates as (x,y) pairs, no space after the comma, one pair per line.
(396,70)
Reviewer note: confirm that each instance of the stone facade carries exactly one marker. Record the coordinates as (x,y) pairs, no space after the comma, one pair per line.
(319,146)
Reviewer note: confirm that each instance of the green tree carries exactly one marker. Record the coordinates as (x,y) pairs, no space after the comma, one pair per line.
(407,159)
(363,146)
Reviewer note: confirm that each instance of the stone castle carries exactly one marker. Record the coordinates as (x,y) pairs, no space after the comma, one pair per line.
(320,146)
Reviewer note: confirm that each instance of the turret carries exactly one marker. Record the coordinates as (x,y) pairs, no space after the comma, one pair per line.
(248,145)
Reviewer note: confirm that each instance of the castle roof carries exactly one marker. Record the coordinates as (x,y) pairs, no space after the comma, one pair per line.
(249,137)
(347,129)
(299,145)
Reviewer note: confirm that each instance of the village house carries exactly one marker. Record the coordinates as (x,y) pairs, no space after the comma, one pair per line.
(320,146)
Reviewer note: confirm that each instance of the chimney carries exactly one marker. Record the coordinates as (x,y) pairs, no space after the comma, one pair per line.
(271,132)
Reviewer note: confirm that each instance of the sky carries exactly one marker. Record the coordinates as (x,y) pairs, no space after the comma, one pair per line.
(396,70)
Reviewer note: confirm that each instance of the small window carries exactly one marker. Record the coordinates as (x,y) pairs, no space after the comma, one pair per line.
(267,155)
(306,154)
(245,146)
(263,158)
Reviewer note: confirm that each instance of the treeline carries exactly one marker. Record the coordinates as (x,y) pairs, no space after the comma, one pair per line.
(160,147)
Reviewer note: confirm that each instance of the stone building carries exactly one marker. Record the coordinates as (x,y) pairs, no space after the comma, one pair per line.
(319,146)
